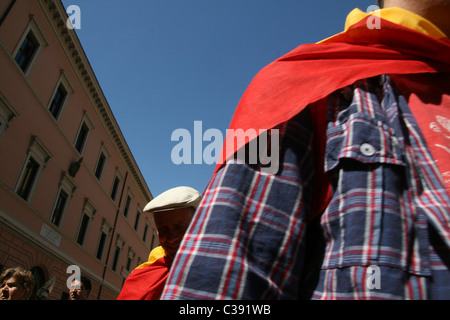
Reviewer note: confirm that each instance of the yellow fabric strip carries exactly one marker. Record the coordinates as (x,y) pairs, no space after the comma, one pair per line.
(399,16)
(155,254)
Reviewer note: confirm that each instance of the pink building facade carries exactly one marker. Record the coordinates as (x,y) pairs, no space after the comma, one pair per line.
(71,192)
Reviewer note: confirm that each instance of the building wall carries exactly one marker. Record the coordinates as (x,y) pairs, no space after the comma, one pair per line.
(29,234)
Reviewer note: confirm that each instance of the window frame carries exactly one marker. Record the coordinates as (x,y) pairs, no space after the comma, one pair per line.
(36,30)
(58,101)
(7,114)
(39,153)
(146,228)
(58,211)
(105,231)
(115,189)
(68,186)
(28,179)
(85,121)
(27,51)
(137,219)
(130,259)
(120,243)
(106,155)
(63,82)
(126,208)
(88,211)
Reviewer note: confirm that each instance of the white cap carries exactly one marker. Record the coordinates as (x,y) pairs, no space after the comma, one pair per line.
(176,198)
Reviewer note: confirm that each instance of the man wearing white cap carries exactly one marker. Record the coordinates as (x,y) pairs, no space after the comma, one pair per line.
(172,211)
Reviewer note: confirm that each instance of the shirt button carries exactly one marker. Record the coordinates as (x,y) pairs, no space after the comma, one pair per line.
(367,149)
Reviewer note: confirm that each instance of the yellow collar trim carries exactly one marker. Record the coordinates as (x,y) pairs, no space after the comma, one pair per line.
(156,254)
(399,16)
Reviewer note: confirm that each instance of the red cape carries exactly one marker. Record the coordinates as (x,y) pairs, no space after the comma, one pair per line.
(313,71)
(146,283)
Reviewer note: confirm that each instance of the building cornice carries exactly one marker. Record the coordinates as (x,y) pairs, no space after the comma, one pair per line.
(57,17)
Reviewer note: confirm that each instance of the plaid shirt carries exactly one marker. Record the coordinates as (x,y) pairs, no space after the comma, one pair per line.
(384,235)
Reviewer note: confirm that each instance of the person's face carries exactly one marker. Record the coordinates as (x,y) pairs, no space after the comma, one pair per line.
(78,294)
(11,289)
(172,226)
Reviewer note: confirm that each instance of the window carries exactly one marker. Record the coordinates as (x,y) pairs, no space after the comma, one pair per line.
(130,259)
(144,237)
(115,188)
(27,51)
(60,96)
(127,206)
(128,266)
(60,208)
(136,222)
(29,46)
(81,138)
(58,101)
(88,213)
(153,240)
(83,229)
(119,245)
(100,165)
(28,178)
(83,133)
(66,188)
(101,245)
(116,258)
(35,161)
(7,114)
(104,234)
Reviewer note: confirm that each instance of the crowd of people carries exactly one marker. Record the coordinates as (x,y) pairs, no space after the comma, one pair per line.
(17,283)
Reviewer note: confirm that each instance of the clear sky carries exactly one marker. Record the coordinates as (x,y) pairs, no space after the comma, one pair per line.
(164,64)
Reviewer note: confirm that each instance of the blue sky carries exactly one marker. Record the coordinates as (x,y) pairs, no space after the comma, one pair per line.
(164,64)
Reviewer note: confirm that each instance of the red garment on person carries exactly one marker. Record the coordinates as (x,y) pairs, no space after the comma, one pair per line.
(147,281)
(311,72)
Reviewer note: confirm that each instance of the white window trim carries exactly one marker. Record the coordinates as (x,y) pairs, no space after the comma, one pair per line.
(106,228)
(42,155)
(64,81)
(68,186)
(89,210)
(107,156)
(33,26)
(131,195)
(85,120)
(118,191)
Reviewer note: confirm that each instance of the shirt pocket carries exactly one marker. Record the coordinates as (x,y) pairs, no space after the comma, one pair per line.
(364,223)
(363,139)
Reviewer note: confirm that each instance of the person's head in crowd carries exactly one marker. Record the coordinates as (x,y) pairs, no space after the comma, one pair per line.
(172,211)
(17,284)
(80,289)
